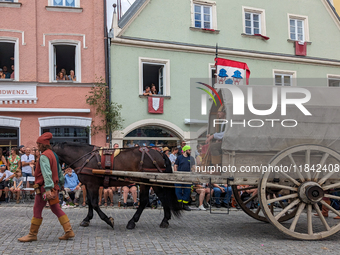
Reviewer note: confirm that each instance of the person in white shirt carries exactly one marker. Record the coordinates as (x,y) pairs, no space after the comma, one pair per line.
(27,162)
(5,176)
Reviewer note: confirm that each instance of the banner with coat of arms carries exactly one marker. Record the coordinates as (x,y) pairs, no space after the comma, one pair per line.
(155,104)
(231,72)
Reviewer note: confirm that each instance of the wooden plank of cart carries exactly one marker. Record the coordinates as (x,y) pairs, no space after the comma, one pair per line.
(302,163)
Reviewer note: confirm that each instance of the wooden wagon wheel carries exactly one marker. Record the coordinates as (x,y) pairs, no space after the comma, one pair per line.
(306,190)
(256,212)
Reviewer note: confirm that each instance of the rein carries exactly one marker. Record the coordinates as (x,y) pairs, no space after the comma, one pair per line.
(78,169)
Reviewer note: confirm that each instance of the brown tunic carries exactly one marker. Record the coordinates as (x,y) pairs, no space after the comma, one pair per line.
(39,179)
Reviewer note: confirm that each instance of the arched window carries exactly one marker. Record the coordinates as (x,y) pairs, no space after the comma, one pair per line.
(147,135)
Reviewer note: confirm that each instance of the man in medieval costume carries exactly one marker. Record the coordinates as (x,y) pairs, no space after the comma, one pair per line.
(48,181)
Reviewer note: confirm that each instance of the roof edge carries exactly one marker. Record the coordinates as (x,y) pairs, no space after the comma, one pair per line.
(130,14)
(333,9)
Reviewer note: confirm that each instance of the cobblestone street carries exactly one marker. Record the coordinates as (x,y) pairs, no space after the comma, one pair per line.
(197,232)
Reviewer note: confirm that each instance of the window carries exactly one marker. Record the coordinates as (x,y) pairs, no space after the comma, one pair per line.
(65,62)
(11,1)
(67,134)
(334,80)
(253,21)
(212,74)
(151,135)
(298,28)
(203,14)
(7,57)
(9,137)
(155,72)
(64,3)
(284,78)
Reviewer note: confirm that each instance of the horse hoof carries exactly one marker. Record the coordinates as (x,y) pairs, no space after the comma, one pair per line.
(131,225)
(112,222)
(84,223)
(164,224)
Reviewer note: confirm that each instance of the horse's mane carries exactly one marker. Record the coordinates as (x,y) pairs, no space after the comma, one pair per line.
(73,144)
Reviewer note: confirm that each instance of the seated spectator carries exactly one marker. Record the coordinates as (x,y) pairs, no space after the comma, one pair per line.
(5,177)
(147,91)
(204,191)
(61,77)
(6,73)
(220,189)
(72,184)
(12,74)
(246,194)
(2,75)
(109,193)
(2,158)
(116,146)
(18,181)
(72,77)
(133,189)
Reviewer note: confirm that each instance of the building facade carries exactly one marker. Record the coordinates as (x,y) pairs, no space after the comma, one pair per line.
(169,43)
(39,40)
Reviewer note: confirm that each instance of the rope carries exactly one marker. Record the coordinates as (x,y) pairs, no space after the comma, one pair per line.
(151,184)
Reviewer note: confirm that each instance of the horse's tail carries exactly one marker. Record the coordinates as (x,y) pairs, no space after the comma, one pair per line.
(170,194)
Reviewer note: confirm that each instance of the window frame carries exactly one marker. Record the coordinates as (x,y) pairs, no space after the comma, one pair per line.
(333,77)
(76,4)
(202,16)
(305,26)
(166,73)
(213,13)
(77,62)
(14,40)
(262,19)
(290,73)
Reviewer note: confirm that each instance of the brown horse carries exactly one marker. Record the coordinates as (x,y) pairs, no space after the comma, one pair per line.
(83,158)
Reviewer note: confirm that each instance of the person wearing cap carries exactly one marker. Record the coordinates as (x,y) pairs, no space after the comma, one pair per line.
(166,151)
(22,150)
(215,148)
(48,176)
(184,163)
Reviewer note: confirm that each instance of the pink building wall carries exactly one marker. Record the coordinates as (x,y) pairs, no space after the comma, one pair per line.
(33,18)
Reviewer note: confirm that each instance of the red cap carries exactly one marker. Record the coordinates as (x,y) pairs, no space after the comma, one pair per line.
(45,138)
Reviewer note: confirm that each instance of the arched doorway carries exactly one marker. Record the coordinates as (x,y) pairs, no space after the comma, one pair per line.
(151,134)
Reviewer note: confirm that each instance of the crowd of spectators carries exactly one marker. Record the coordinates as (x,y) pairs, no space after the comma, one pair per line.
(62,76)
(5,74)
(20,163)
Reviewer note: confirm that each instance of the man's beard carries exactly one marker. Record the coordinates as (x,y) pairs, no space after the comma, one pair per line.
(188,154)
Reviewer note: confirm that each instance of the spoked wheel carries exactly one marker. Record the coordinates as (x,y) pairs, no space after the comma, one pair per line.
(308,174)
(256,211)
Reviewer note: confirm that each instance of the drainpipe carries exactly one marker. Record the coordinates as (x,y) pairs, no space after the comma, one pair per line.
(107,43)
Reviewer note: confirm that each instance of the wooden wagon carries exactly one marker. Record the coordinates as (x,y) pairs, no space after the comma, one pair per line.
(293,169)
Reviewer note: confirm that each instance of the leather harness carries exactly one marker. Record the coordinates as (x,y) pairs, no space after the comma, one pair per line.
(106,161)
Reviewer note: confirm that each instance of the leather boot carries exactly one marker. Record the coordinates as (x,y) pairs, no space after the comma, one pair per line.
(32,235)
(65,222)
(325,210)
